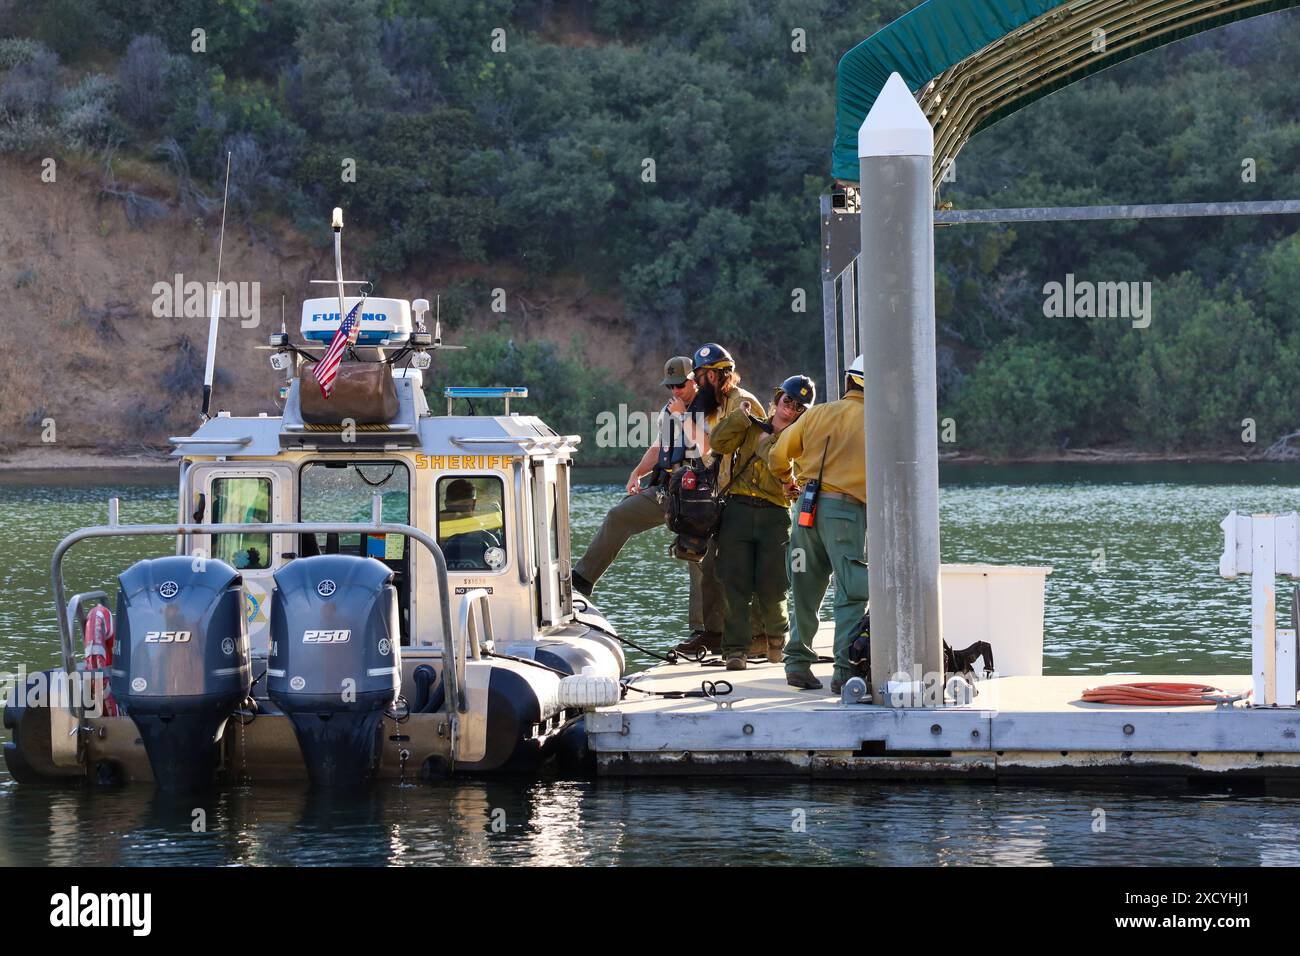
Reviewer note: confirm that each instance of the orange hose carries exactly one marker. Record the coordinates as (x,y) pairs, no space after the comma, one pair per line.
(1152,694)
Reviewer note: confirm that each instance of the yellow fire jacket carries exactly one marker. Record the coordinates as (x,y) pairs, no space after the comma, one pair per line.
(747,445)
(836,429)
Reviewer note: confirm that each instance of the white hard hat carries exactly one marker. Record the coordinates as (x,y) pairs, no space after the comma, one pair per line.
(855,369)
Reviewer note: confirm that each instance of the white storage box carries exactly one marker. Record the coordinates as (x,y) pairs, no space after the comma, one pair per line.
(998,603)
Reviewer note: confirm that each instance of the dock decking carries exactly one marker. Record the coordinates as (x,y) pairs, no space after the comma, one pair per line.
(1017,727)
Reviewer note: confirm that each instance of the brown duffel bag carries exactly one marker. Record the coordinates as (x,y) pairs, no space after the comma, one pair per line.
(363,392)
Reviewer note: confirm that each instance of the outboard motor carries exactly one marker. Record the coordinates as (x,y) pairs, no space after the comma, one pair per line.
(336,661)
(182,664)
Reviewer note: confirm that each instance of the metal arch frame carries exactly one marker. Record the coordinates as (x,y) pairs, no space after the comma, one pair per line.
(1054,50)
(452,665)
(841,241)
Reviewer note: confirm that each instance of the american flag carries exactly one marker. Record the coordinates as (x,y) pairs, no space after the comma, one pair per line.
(328,367)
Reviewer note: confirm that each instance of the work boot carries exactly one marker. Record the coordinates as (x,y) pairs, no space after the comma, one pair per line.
(758,646)
(803,679)
(736,660)
(837,685)
(581,584)
(775,649)
(701,642)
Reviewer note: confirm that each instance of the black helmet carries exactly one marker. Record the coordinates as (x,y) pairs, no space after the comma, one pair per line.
(800,388)
(712,355)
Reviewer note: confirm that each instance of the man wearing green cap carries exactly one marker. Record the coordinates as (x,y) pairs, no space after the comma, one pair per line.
(643,508)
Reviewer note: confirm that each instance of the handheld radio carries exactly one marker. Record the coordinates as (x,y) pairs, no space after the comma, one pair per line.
(808,503)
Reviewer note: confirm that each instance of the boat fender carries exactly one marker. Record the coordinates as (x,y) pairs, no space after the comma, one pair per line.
(588,691)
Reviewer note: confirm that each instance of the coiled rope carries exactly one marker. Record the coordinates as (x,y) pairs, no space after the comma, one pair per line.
(1154,694)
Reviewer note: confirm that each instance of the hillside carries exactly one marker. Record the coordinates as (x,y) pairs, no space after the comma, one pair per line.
(83,346)
(638,179)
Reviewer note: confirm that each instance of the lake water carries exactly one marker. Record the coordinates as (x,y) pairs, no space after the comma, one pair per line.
(1135,586)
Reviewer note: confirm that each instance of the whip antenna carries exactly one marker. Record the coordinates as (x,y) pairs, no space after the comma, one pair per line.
(216,305)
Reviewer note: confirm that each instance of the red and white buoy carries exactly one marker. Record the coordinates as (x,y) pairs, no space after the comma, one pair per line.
(99,654)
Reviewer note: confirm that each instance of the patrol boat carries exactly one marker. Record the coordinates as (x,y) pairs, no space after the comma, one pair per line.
(359,588)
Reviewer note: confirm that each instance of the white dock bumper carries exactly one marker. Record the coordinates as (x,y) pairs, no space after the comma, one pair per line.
(586,692)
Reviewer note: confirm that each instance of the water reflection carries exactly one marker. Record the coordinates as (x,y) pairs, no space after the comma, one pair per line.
(1154,602)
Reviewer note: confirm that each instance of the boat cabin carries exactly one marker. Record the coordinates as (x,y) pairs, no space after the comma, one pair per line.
(493,489)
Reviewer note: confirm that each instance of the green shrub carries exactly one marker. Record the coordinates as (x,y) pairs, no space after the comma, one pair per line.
(1023,398)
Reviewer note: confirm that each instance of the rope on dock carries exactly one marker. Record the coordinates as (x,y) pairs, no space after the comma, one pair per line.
(1152,694)
(708,689)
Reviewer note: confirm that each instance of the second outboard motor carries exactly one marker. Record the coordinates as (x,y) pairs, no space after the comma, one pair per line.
(182,664)
(336,661)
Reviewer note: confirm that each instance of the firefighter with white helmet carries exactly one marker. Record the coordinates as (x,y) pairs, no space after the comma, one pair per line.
(825,449)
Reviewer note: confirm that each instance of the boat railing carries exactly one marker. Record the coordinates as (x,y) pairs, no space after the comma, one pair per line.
(67,611)
(76,608)
(475,629)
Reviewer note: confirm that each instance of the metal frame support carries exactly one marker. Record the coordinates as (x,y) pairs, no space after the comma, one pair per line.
(455,691)
(897,333)
(1264,546)
(841,244)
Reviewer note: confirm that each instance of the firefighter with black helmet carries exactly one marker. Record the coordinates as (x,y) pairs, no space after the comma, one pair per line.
(825,447)
(755,529)
(717,395)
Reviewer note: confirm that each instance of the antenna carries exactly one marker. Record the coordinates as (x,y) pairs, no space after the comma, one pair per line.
(215,313)
(437,322)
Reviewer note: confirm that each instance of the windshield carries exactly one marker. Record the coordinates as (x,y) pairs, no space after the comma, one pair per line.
(343,491)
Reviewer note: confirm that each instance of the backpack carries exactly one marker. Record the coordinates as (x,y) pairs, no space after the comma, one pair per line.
(694,509)
(954,662)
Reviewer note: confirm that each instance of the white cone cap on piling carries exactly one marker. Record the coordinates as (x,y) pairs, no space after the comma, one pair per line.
(895,125)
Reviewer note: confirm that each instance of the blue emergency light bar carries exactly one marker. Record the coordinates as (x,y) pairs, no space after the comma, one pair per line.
(504,391)
(507,392)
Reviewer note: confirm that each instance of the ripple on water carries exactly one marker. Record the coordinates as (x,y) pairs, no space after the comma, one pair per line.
(1135,586)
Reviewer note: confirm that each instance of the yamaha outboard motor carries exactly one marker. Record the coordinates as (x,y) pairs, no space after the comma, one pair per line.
(335,663)
(182,664)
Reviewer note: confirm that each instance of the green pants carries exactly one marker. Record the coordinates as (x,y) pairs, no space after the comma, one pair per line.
(634,515)
(751,562)
(835,544)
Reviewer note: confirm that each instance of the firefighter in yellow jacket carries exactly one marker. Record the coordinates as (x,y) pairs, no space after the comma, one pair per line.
(717,394)
(755,530)
(826,448)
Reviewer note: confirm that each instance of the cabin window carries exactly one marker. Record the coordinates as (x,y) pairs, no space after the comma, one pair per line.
(242,501)
(471,522)
(344,491)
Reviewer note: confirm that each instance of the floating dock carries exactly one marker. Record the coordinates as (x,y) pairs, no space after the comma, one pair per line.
(1018,728)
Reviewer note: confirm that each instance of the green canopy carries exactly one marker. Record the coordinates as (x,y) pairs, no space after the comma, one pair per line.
(997,72)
